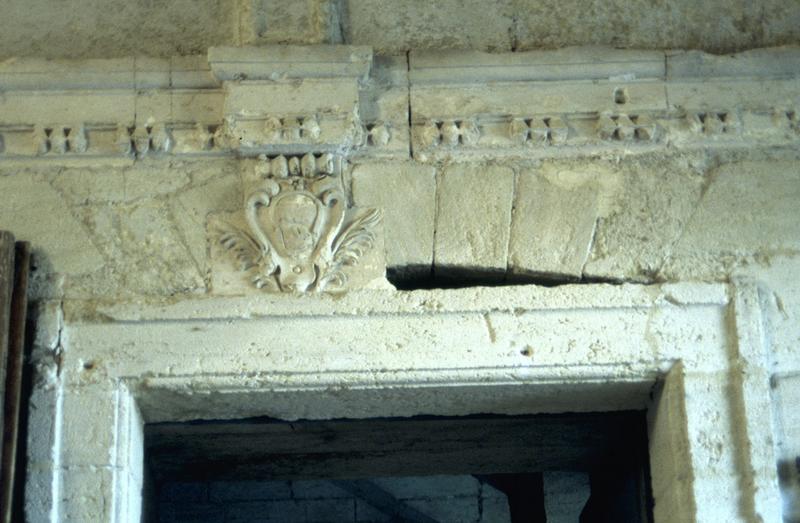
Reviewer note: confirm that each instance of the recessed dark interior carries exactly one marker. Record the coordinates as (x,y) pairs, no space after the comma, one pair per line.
(483,468)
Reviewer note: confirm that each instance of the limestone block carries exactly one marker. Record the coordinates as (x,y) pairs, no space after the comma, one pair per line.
(50,108)
(151,73)
(290,61)
(780,61)
(192,207)
(473,218)
(292,116)
(153,105)
(37,74)
(383,109)
(638,24)
(451,24)
(191,70)
(278,22)
(157,259)
(89,429)
(406,192)
(84,29)
(435,102)
(553,224)
(748,212)
(723,96)
(145,182)
(649,209)
(39,214)
(204,106)
(466,67)
(86,493)
(299,97)
(780,22)
(780,305)
(90,185)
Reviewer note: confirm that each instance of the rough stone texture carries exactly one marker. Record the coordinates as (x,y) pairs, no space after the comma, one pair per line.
(553,223)
(115,230)
(715,26)
(662,166)
(748,212)
(399,26)
(473,219)
(276,22)
(88,28)
(508,350)
(407,194)
(656,198)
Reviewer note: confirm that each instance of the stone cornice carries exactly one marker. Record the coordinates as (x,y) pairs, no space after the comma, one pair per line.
(341,99)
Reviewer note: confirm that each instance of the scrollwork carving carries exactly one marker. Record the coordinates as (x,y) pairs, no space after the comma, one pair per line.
(300,234)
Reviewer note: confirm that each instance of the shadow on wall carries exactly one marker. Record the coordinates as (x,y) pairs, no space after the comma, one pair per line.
(789,477)
(415,278)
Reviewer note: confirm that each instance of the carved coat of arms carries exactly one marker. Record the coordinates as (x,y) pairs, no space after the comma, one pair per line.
(300,233)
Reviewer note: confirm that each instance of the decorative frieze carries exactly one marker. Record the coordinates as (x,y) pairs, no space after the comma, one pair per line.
(581,133)
(715,122)
(336,99)
(626,128)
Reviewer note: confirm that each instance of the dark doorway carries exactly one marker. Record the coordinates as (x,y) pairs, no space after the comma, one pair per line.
(482,469)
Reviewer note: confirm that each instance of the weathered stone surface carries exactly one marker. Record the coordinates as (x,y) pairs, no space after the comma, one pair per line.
(37,213)
(278,22)
(655,201)
(158,260)
(553,222)
(473,219)
(383,108)
(446,24)
(192,207)
(748,212)
(89,29)
(407,194)
(639,24)
(86,29)
(296,231)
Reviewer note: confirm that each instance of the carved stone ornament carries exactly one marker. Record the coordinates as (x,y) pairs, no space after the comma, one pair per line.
(301,233)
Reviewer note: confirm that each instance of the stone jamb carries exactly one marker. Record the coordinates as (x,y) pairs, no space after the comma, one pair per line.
(506,350)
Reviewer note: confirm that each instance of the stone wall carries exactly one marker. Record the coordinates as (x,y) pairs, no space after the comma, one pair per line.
(642,167)
(80,30)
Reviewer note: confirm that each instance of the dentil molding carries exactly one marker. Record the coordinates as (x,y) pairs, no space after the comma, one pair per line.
(436,105)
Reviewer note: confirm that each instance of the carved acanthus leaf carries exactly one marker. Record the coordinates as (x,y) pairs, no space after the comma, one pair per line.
(301,233)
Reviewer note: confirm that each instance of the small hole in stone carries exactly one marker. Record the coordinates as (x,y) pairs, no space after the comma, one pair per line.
(89,365)
(527,351)
(620,95)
